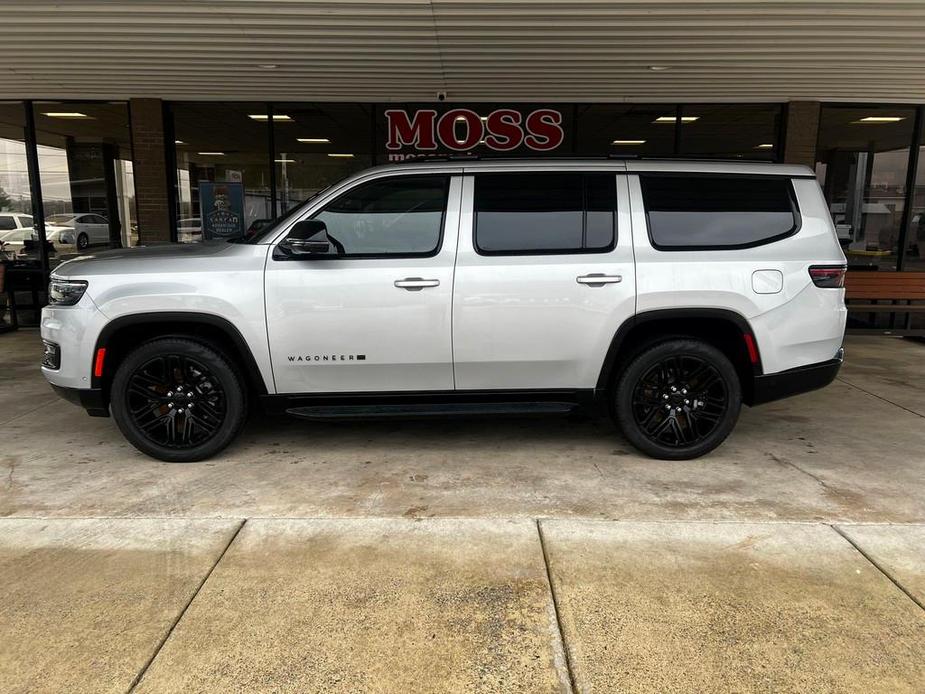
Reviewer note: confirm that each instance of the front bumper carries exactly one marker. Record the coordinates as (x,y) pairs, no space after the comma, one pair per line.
(91,399)
(802,379)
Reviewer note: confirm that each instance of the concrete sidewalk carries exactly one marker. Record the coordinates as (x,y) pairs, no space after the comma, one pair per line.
(526,555)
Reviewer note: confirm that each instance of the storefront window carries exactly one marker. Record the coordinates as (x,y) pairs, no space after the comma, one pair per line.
(317,145)
(862,157)
(223,169)
(85,155)
(15,195)
(626,130)
(17,249)
(730,131)
(915,236)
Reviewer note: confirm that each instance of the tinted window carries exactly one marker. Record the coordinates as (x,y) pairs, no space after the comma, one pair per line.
(7,223)
(394,216)
(717,211)
(544,213)
(25,220)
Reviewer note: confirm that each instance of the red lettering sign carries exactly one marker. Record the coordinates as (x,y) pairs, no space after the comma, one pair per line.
(462,129)
(446,129)
(418,132)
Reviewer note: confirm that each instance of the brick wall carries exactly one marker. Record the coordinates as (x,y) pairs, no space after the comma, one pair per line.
(801,132)
(150,169)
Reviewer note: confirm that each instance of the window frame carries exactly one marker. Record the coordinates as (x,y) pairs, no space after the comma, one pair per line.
(373,256)
(791,194)
(584,214)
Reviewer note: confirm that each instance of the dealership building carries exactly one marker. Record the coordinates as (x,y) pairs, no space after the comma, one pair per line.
(139,123)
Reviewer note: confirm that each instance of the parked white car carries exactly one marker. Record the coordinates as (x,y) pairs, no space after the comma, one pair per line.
(666,294)
(81,230)
(15,229)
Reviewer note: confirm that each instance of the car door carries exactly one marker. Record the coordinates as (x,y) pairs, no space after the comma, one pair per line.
(99,229)
(375,316)
(544,278)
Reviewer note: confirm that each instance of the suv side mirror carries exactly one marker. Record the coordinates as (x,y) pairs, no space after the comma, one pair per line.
(310,236)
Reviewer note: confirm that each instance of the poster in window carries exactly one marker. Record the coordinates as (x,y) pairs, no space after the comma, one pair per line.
(222,206)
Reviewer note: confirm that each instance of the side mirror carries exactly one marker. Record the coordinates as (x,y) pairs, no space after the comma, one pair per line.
(307,237)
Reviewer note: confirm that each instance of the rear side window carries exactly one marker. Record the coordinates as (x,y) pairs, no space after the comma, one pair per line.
(717,212)
(544,213)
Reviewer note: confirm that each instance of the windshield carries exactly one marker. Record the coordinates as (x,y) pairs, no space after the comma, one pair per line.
(274,226)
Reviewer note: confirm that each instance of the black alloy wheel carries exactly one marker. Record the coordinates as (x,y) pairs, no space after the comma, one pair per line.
(678,399)
(178,400)
(83,242)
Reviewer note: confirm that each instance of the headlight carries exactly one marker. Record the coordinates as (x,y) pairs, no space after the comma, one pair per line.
(65,292)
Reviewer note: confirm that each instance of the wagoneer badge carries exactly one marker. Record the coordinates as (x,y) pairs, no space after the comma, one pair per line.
(322,358)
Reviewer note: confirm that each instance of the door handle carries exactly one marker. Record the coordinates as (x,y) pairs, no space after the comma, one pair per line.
(416,284)
(598,279)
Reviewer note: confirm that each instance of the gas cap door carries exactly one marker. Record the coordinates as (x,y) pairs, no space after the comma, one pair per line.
(767,281)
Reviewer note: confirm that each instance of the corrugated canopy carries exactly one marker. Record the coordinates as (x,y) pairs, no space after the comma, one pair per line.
(529,50)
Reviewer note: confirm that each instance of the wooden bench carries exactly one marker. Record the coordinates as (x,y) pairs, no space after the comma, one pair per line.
(887,292)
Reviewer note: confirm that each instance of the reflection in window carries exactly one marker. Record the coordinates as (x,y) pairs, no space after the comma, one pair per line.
(15,194)
(862,157)
(88,191)
(915,236)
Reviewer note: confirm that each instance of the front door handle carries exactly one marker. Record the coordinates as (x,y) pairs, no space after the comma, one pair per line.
(598,279)
(416,284)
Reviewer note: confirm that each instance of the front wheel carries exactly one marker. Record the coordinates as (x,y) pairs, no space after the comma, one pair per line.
(678,399)
(178,400)
(83,242)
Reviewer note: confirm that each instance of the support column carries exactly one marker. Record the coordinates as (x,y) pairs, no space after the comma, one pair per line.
(800,133)
(149,164)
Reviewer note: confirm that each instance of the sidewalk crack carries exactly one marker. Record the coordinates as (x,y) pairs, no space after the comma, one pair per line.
(160,645)
(556,610)
(882,569)
(880,397)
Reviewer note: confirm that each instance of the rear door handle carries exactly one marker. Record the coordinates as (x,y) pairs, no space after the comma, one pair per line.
(598,279)
(416,284)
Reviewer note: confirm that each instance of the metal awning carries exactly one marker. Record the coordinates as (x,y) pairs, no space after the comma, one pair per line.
(529,50)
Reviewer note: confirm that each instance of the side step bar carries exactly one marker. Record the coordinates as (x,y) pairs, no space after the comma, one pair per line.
(329,412)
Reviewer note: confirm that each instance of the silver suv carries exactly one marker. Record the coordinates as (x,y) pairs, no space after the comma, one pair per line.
(666,294)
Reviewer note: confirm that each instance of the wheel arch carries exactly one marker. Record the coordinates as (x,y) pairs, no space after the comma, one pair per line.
(726,330)
(122,334)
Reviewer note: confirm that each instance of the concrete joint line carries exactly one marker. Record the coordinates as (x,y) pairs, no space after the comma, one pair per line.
(880,397)
(895,581)
(160,645)
(50,401)
(555,607)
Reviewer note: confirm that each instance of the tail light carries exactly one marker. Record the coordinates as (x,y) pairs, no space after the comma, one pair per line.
(828,276)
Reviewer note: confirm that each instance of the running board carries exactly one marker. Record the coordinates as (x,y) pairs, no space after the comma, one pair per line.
(328,412)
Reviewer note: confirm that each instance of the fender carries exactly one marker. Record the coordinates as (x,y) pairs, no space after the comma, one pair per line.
(179,318)
(667,314)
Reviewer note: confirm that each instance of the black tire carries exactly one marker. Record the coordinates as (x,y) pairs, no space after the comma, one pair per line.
(155,386)
(83,242)
(666,423)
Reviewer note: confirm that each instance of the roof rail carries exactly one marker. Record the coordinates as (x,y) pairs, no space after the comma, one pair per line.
(424,157)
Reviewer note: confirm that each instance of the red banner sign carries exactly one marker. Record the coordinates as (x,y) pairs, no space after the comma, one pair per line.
(462,129)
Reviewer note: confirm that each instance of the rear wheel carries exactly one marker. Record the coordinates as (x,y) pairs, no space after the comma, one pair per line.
(678,399)
(178,400)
